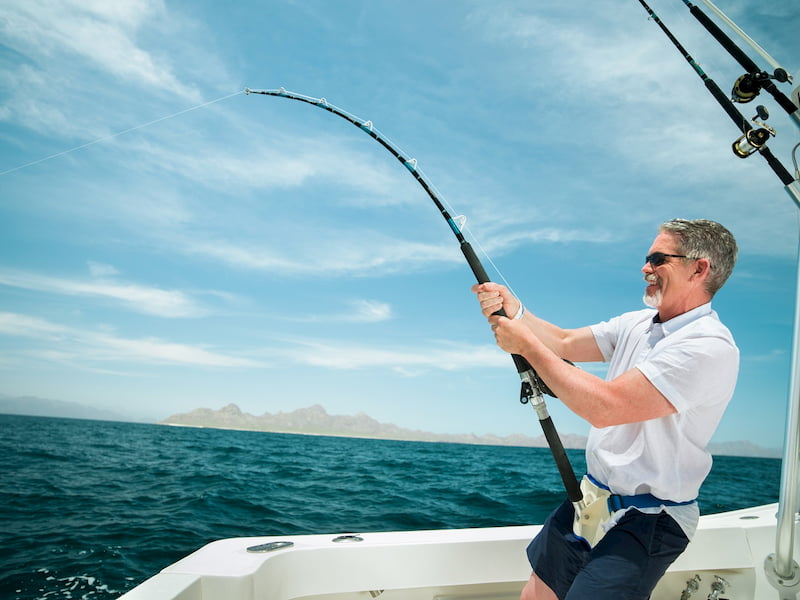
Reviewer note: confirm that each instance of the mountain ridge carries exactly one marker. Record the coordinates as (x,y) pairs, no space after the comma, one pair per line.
(315,420)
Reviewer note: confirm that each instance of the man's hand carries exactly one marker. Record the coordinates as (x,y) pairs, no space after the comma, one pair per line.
(511,335)
(493,296)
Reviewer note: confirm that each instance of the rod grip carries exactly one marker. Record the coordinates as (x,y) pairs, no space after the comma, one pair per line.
(475,264)
(480,274)
(520,362)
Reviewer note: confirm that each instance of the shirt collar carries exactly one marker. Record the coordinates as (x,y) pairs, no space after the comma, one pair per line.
(681,320)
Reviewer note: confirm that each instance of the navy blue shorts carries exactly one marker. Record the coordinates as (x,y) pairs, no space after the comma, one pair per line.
(625,565)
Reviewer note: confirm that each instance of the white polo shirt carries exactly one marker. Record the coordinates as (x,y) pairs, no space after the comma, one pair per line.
(693,361)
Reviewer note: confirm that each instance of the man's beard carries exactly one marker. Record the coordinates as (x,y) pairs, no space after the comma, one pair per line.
(652,300)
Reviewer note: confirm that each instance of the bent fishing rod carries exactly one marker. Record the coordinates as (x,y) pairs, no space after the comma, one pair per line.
(752,140)
(533,388)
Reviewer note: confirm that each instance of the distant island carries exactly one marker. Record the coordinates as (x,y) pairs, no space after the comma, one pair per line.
(315,420)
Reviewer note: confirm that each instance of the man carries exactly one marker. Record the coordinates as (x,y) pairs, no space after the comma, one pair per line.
(672,370)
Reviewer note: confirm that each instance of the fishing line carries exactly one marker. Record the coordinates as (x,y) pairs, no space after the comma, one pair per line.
(398,152)
(462,223)
(456,223)
(461,220)
(533,388)
(119,133)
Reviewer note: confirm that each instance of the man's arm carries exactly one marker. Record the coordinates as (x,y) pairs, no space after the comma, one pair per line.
(628,398)
(576,345)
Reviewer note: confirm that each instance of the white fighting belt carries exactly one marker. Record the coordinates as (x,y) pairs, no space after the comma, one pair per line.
(591,513)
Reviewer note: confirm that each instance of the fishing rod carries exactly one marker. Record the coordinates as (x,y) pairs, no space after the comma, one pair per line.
(749,85)
(533,388)
(752,139)
(747,39)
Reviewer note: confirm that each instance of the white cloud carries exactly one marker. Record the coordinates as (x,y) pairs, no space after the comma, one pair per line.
(101,269)
(618,66)
(266,157)
(98,33)
(328,254)
(139,298)
(360,311)
(153,350)
(408,361)
(548,235)
(32,327)
(77,346)
(370,311)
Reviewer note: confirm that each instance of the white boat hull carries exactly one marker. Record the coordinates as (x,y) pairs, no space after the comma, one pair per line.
(469,564)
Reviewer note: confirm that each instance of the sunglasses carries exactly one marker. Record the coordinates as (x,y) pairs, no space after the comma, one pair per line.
(659,258)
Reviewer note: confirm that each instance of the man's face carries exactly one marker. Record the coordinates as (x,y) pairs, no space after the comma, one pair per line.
(665,282)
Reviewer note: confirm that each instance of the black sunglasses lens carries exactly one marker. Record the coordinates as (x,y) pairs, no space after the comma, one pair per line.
(656,259)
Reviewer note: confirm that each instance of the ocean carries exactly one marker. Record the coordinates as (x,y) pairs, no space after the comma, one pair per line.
(92,508)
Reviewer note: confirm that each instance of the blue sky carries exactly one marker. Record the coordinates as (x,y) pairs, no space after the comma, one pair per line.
(168,242)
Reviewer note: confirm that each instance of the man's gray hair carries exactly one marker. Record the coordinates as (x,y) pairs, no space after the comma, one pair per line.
(701,238)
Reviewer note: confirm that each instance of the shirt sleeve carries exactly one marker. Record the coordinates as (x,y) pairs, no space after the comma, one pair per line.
(606,334)
(693,371)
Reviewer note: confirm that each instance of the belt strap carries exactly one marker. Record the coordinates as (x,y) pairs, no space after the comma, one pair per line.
(617,502)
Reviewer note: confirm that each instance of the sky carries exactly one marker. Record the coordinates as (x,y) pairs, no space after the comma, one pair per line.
(168,242)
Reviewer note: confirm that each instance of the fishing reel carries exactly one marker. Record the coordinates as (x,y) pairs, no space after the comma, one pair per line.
(749,85)
(754,139)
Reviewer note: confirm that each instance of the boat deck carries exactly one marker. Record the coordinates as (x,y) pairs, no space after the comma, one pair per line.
(468,564)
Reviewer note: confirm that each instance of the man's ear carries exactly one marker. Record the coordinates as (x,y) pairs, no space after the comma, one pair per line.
(702,267)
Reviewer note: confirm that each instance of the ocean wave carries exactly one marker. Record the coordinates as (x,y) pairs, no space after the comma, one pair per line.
(92,508)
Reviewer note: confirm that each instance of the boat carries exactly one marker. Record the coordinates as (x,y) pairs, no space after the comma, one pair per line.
(726,559)
(747,554)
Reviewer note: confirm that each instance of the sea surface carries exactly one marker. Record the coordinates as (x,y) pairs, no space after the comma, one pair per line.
(89,509)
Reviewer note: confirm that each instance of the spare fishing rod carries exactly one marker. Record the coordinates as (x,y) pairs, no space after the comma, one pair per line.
(749,85)
(533,388)
(747,39)
(752,140)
